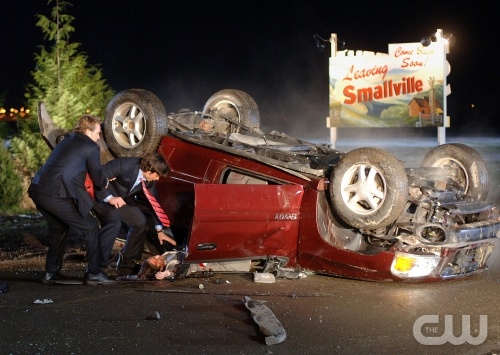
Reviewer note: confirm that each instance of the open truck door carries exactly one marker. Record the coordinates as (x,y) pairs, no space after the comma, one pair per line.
(243,222)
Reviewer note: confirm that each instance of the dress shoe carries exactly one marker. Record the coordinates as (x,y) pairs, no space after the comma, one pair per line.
(98,279)
(52,277)
(126,263)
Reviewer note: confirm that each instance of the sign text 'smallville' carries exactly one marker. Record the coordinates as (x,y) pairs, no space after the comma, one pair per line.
(387,89)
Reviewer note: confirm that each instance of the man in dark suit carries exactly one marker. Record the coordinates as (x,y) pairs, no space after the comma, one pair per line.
(58,191)
(125,175)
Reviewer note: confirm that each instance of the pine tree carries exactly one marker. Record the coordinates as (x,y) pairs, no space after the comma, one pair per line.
(11,186)
(4,129)
(64,81)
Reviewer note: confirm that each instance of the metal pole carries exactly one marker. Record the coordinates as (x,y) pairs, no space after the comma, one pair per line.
(442,129)
(333,130)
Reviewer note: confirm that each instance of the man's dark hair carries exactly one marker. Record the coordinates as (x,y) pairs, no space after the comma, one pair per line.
(154,163)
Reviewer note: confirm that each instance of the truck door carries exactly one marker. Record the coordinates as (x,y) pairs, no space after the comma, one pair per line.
(244,221)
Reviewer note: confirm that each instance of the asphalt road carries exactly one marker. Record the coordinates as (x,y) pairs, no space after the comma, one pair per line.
(321,315)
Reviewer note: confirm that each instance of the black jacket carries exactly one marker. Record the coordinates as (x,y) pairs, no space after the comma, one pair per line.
(63,174)
(123,173)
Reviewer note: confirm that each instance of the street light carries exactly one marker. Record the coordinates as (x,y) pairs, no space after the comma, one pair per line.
(447,39)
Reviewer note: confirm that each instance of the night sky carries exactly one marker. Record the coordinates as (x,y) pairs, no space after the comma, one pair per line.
(184,51)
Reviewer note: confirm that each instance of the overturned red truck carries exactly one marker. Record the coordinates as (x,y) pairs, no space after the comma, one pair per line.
(244,200)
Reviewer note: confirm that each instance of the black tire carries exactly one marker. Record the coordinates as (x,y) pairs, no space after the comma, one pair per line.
(369,188)
(237,105)
(135,122)
(473,175)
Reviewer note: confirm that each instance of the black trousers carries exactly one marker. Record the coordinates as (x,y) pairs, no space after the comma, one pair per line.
(110,224)
(61,215)
(137,222)
(134,218)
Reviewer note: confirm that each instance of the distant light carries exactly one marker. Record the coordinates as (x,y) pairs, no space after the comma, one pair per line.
(14,113)
(472,106)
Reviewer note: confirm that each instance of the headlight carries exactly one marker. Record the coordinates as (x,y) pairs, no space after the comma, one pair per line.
(407,265)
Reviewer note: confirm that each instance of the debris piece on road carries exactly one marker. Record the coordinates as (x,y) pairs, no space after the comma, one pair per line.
(268,324)
(290,273)
(44,301)
(264,277)
(153,316)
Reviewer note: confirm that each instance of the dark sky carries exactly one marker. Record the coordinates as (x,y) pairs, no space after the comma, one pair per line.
(184,51)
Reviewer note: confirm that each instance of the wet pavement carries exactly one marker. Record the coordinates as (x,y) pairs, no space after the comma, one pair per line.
(320,314)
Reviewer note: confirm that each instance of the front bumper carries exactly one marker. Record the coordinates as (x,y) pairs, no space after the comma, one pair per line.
(444,262)
(436,250)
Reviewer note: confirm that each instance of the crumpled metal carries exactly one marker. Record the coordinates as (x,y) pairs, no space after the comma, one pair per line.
(269,325)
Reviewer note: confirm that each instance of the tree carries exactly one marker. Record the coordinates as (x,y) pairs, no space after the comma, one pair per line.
(11,186)
(64,81)
(4,130)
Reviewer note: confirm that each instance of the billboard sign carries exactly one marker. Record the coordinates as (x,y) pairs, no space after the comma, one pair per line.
(404,88)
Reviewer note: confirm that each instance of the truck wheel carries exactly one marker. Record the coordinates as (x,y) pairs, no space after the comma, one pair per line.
(368,188)
(235,104)
(472,176)
(135,122)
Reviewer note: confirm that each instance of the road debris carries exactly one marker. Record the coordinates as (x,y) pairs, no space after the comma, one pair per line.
(268,324)
(264,277)
(290,273)
(153,316)
(44,301)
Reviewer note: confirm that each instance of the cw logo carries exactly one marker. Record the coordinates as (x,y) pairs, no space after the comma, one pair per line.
(448,335)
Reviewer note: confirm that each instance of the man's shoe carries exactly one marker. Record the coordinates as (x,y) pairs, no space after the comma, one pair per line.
(98,279)
(51,277)
(125,263)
